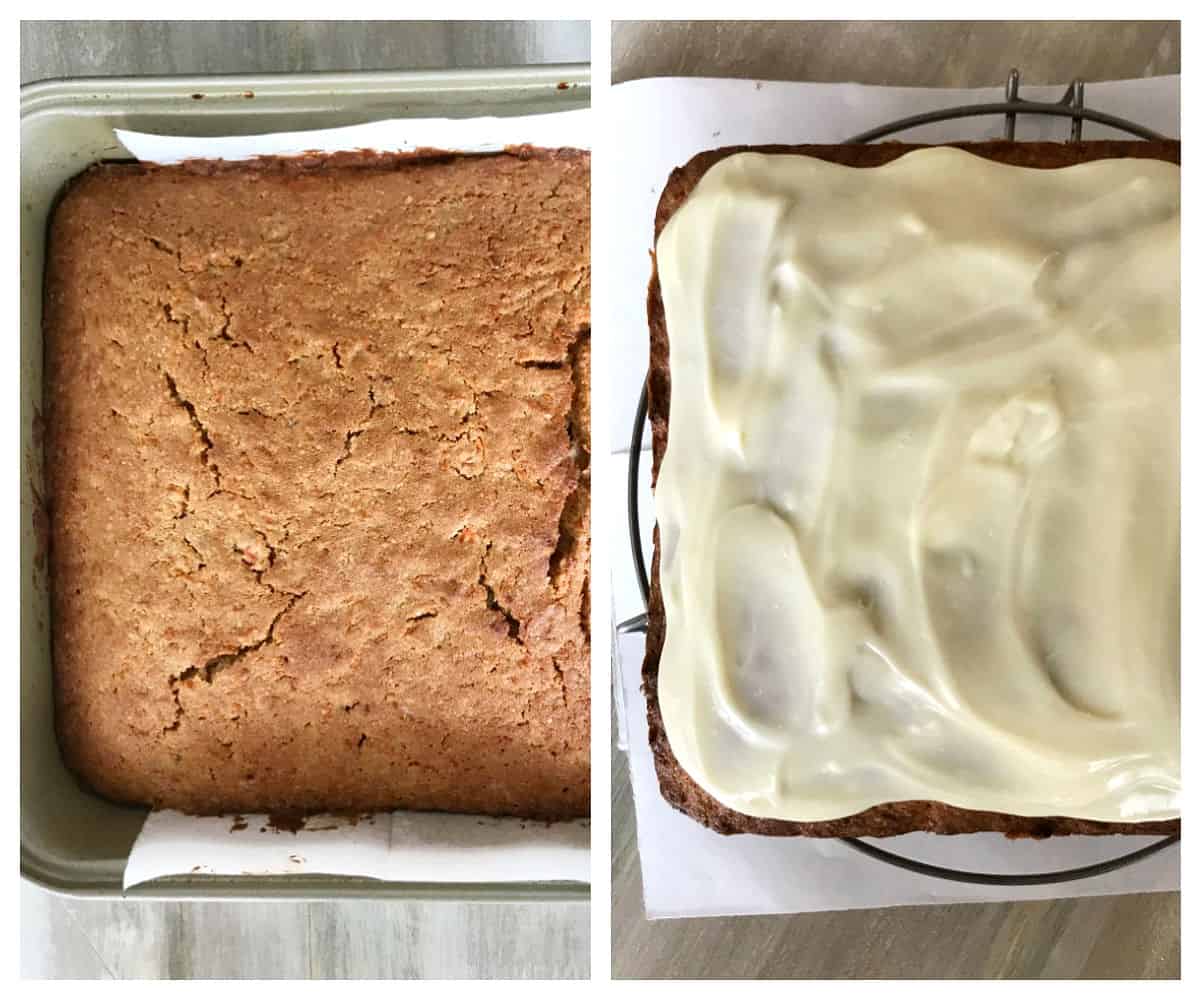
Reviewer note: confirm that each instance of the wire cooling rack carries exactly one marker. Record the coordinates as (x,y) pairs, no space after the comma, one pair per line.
(1071,105)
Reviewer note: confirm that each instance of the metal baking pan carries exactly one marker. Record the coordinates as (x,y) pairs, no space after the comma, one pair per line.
(72,841)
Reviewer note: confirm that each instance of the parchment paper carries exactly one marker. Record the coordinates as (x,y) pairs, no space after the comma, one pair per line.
(403,846)
(688,871)
(398,847)
(395,135)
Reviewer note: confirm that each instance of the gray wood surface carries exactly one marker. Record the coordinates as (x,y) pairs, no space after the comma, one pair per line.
(1117,937)
(64,938)
(900,53)
(142,48)
(67,938)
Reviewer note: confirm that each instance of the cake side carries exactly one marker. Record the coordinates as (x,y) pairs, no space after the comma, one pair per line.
(317,462)
(891,818)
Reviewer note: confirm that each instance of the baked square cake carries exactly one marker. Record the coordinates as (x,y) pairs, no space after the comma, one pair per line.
(317,460)
(917,557)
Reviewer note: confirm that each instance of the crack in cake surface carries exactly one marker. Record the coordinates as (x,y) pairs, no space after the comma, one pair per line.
(580,451)
(199,427)
(215,664)
(514,624)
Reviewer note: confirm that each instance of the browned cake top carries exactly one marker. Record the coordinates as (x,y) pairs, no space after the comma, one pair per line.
(317,460)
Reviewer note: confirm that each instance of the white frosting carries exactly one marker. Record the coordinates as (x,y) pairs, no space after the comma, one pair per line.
(920,501)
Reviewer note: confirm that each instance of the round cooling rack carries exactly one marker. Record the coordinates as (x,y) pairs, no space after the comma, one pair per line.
(1069,106)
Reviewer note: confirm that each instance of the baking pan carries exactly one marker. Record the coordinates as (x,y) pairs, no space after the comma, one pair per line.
(72,841)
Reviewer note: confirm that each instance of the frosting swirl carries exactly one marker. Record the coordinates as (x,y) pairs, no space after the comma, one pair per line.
(920,501)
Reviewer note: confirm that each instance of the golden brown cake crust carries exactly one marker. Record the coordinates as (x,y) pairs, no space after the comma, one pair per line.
(893,818)
(317,461)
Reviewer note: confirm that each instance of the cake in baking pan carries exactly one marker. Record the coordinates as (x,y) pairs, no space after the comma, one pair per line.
(318,468)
